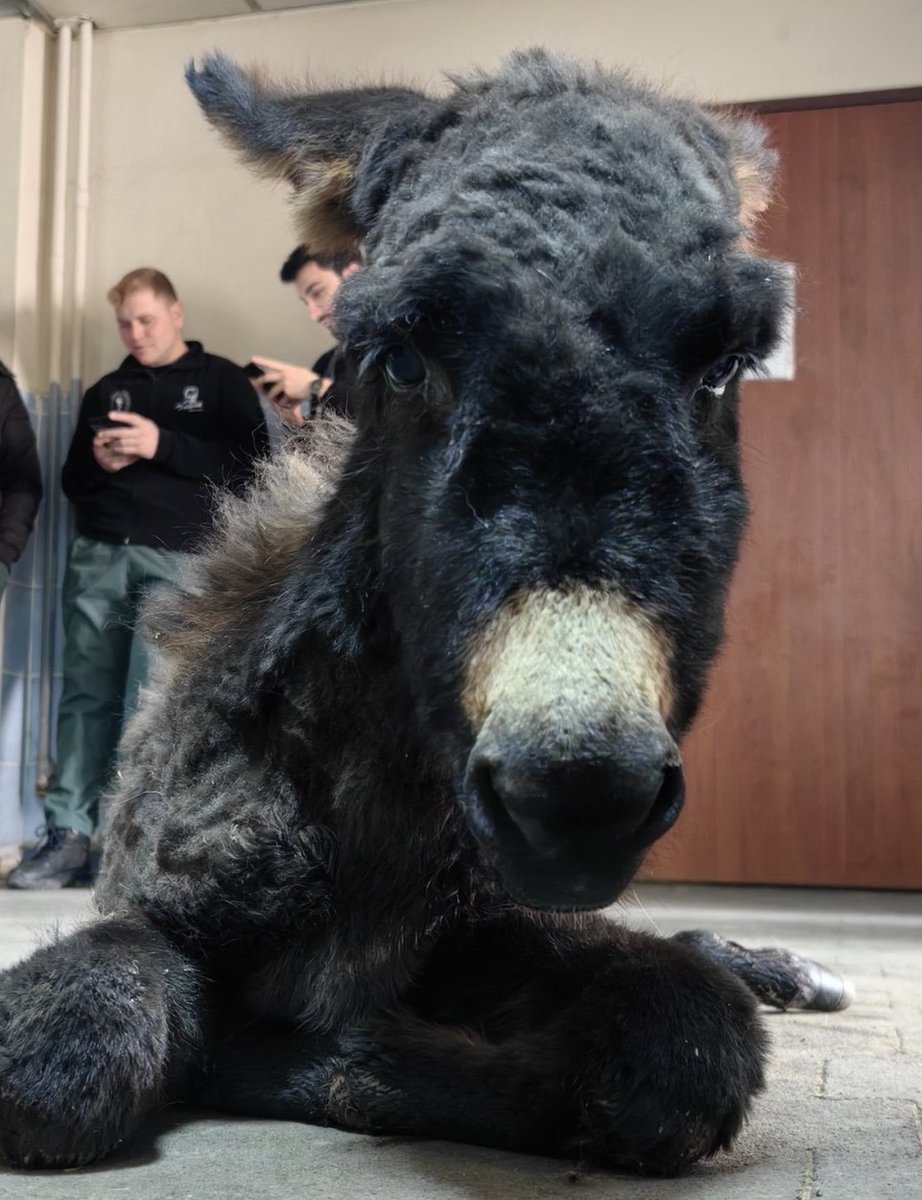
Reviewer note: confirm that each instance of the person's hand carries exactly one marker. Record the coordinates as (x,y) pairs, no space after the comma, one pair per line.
(107,456)
(285,384)
(290,414)
(139,438)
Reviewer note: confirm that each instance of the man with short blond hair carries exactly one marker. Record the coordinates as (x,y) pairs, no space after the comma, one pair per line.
(139,280)
(154,440)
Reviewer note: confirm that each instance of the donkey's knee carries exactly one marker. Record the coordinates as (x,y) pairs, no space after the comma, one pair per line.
(672,1058)
(95,1031)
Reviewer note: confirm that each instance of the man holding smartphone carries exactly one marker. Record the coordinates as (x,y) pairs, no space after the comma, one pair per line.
(154,440)
(294,391)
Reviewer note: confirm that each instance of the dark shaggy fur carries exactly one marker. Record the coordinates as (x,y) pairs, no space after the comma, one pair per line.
(419,707)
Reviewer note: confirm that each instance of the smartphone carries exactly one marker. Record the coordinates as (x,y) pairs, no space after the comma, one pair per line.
(253,371)
(97,423)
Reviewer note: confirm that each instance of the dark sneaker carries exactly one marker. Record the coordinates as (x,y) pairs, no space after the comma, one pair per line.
(61,860)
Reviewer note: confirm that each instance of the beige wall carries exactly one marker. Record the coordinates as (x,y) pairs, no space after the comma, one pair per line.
(166,192)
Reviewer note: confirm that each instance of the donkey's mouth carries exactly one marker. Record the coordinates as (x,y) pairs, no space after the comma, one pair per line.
(579,864)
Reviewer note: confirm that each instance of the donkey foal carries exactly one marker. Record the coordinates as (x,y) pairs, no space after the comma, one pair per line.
(419,707)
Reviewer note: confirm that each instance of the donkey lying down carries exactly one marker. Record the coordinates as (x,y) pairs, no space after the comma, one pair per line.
(419,707)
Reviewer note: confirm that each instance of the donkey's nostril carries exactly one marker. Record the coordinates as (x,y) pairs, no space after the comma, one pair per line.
(487,812)
(668,803)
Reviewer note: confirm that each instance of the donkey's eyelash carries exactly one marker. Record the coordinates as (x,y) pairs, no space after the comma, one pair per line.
(372,357)
(754,367)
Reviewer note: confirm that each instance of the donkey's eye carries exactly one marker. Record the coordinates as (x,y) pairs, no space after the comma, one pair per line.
(403,367)
(717,378)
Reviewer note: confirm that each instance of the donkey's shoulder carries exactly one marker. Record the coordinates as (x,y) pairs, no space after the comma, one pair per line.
(258,541)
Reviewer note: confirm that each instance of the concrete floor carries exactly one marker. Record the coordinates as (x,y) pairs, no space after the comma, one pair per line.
(842,1118)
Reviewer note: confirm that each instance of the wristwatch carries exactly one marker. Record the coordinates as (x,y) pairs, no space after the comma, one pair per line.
(308,408)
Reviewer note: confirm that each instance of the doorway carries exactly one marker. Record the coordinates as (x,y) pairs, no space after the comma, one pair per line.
(805,764)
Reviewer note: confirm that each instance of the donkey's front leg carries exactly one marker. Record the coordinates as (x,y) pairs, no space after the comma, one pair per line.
(583,1040)
(95,1031)
(778,977)
(613,1046)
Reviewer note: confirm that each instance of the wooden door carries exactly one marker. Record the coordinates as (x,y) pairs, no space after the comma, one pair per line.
(805,765)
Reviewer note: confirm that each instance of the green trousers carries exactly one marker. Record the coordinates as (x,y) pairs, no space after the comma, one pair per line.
(105,662)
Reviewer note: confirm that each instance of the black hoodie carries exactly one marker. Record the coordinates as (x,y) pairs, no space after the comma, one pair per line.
(20,474)
(211,431)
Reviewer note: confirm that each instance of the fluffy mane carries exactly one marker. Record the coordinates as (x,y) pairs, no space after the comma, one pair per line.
(257,541)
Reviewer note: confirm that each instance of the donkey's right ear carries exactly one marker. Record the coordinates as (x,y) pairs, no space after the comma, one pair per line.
(339,150)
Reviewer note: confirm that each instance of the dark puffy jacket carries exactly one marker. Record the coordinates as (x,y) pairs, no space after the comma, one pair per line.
(211,431)
(20,473)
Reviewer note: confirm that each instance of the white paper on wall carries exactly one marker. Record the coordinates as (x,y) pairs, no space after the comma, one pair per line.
(780,363)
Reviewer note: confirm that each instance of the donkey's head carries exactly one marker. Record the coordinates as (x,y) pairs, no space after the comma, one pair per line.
(542,346)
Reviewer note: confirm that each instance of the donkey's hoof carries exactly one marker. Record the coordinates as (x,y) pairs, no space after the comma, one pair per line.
(822,990)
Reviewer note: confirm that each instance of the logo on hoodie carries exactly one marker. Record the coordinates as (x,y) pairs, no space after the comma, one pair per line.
(190,402)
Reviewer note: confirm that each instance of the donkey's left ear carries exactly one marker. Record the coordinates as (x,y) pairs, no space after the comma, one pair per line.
(340,150)
(753,164)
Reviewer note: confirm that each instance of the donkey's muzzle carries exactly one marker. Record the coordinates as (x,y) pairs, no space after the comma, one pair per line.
(570,834)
